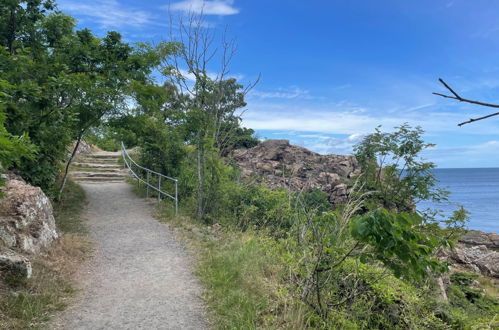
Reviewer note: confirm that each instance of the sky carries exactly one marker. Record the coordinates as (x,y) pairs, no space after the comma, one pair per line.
(331,71)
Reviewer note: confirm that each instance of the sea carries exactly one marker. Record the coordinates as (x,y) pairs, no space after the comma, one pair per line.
(477,189)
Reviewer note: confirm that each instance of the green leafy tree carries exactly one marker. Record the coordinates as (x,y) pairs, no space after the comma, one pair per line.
(64,82)
(103,72)
(393,171)
(12,148)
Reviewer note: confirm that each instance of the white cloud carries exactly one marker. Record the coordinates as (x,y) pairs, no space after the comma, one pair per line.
(477,155)
(282,93)
(213,7)
(346,118)
(108,13)
(355,137)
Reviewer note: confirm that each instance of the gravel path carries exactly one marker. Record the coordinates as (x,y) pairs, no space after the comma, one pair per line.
(141,277)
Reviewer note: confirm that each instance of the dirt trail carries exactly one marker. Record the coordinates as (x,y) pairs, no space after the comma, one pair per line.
(140,277)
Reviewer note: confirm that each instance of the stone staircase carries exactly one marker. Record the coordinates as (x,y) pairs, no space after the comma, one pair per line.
(98,167)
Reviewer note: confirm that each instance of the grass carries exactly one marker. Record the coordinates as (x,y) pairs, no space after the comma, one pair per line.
(67,212)
(28,304)
(242,274)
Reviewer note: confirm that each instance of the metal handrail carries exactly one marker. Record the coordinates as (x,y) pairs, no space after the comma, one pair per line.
(129,162)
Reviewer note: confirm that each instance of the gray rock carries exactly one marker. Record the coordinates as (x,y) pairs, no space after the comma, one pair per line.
(476,237)
(7,237)
(27,222)
(15,264)
(279,164)
(478,258)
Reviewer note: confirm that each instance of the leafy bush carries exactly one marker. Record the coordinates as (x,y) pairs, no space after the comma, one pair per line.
(260,207)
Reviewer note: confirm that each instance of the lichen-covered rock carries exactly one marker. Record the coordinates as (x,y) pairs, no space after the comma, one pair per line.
(280,164)
(27,222)
(15,264)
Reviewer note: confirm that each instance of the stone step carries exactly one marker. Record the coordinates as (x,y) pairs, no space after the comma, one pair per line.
(95,169)
(100,178)
(95,165)
(104,156)
(98,174)
(96,180)
(98,160)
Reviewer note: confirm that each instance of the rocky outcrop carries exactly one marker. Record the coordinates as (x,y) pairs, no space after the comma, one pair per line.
(478,258)
(83,148)
(280,164)
(27,225)
(26,220)
(476,237)
(476,251)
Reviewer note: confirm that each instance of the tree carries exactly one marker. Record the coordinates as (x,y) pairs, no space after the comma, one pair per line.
(64,82)
(394,173)
(12,148)
(103,72)
(213,99)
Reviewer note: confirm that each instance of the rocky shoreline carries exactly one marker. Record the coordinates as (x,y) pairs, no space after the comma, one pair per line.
(277,164)
(477,251)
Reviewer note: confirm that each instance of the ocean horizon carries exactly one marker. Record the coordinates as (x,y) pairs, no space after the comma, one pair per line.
(476,189)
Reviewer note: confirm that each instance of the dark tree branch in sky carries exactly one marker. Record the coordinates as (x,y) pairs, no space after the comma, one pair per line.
(461,99)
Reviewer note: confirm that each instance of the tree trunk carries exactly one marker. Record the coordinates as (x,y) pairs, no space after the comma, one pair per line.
(11,37)
(201,179)
(66,170)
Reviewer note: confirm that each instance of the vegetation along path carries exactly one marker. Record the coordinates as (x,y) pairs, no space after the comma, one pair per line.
(141,277)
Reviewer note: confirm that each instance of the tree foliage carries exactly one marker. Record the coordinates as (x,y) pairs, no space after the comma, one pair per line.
(62,82)
(393,171)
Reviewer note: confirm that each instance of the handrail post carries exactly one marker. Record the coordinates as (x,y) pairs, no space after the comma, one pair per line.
(147,191)
(159,188)
(176,197)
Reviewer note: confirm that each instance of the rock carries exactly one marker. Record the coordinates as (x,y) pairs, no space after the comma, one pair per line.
(27,223)
(279,164)
(83,148)
(476,237)
(443,283)
(478,258)
(15,264)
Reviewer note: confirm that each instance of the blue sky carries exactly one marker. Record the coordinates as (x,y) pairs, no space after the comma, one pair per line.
(331,71)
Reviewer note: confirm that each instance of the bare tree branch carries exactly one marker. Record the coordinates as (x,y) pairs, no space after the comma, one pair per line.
(461,99)
(477,119)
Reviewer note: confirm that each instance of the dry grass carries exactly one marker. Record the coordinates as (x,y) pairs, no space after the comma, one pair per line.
(26,304)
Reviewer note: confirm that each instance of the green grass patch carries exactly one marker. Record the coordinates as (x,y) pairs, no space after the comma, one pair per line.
(243,275)
(30,303)
(67,212)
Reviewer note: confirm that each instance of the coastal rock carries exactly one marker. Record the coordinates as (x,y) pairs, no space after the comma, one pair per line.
(476,237)
(479,258)
(278,164)
(27,223)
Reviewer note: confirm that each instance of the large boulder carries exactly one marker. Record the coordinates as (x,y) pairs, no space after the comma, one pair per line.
(27,223)
(478,258)
(280,164)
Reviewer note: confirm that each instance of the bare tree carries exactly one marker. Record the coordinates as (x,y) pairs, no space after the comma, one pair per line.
(456,96)
(215,97)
